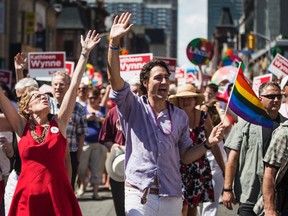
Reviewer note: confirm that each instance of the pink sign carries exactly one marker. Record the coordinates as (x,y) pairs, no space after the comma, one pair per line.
(44,64)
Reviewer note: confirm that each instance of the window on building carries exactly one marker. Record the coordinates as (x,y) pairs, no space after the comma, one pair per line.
(69,47)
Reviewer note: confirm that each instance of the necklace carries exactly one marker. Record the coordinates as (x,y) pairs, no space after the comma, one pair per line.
(157,123)
(35,136)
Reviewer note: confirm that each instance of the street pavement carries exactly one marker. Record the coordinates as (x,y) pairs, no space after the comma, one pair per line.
(105,207)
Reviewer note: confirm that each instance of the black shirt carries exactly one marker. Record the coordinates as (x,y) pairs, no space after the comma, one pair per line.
(267,132)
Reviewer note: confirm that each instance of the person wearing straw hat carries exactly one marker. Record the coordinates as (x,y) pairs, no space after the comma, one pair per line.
(196,176)
(156,132)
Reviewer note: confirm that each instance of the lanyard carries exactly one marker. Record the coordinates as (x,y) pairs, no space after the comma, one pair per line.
(157,123)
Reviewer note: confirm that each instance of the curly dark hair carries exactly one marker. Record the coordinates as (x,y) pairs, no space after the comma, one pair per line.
(145,72)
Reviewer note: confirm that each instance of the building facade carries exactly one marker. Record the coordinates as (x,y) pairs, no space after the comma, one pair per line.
(215,10)
(148,15)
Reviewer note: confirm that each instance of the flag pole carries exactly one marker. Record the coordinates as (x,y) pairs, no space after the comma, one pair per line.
(226,109)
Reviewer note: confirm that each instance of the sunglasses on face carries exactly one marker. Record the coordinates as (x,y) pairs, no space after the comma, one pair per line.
(273,96)
(82,88)
(37,96)
(92,98)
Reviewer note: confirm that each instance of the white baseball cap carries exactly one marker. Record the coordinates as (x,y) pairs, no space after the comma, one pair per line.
(283,82)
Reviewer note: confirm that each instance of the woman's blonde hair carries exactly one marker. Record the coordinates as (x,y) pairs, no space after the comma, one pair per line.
(23,102)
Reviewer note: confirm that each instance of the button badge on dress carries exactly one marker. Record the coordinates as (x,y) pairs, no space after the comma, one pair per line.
(54,130)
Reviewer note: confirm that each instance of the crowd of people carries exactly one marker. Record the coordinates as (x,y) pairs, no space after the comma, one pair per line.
(182,153)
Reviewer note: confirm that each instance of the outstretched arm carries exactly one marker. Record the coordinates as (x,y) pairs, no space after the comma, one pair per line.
(67,106)
(119,28)
(192,153)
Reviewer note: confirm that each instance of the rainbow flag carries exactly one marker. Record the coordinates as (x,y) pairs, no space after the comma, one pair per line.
(245,103)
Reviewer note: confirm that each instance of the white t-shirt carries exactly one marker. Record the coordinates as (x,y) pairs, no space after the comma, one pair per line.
(284,110)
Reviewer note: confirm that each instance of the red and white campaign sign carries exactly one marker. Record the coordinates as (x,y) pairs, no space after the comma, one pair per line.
(279,66)
(130,65)
(172,63)
(190,77)
(258,80)
(69,65)
(44,64)
(180,75)
(6,77)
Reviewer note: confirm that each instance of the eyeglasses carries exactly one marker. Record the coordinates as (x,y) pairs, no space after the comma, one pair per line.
(273,96)
(83,88)
(37,96)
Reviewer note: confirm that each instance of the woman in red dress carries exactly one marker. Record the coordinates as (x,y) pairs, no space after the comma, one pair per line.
(43,186)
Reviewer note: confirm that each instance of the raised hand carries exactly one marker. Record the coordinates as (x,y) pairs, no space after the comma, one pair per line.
(20,61)
(120,27)
(91,40)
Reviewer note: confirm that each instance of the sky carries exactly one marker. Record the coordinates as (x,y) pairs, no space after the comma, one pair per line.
(192,23)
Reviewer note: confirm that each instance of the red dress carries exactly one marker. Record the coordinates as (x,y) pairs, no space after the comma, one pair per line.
(43,187)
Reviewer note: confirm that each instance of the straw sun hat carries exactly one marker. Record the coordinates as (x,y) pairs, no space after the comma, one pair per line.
(115,163)
(186,90)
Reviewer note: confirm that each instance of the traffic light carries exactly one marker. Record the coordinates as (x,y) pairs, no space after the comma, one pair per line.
(251,41)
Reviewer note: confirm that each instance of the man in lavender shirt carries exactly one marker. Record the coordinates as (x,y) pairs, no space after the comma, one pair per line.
(156,132)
